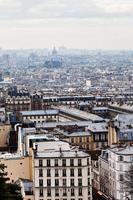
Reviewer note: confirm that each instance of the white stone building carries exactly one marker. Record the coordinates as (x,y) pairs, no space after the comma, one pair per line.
(39,116)
(61,172)
(116,162)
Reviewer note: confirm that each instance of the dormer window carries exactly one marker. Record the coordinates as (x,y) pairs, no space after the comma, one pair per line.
(120,158)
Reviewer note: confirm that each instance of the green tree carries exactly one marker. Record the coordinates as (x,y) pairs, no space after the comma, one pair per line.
(8,191)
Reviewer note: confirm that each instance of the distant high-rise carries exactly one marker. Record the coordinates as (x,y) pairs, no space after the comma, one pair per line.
(1,77)
(6,60)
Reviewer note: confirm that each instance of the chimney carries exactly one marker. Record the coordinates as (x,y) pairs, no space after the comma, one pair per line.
(35,148)
(60,152)
(76,153)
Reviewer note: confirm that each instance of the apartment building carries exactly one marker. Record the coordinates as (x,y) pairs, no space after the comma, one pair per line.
(82,139)
(120,130)
(104,174)
(114,165)
(18,99)
(39,116)
(61,173)
(99,135)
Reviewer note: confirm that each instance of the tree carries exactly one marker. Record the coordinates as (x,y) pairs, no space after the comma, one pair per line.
(8,191)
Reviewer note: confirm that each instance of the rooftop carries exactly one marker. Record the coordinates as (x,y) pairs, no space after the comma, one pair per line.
(128,150)
(82,114)
(74,134)
(39,112)
(125,118)
(97,127)
(67,123)
(63,153)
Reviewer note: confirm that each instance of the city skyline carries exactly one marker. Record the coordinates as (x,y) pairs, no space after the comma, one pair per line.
(91,24)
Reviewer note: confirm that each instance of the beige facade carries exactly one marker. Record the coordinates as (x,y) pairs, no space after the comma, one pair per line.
(83,141)
(4,132)
(18,168)
(112,135)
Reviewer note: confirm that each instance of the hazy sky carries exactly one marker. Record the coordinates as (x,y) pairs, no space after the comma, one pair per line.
(100,24)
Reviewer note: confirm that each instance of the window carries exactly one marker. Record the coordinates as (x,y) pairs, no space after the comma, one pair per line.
(89,191)
(40,163)
(102,136)
(121,178)
(71,172)
(48,163)
(88,161)
(79,162)
(48,182)
(96,137)
(79,172)
(56,192)
(120,158)
(71,162)
(40,173)
(56,182)
(64,182)
(72,140)
(64,192)
(88,171)
(87,139)
(72,182)
(41,182)
(48,192)
(56,173)
(48,172)
(64,162)
(79,182)
(72,192)
(80,191)
(88,181)
(64,172)
(41,192)
(56,162)
(80,139)
(125,135)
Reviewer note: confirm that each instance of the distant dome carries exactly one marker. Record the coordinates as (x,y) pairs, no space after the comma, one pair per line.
(54,51)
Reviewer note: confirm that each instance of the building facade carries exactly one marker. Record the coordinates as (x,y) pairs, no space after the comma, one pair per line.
(114,166)
(62,174)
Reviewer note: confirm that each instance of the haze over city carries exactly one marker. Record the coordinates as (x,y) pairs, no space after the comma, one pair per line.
(91,24)
(66,100)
